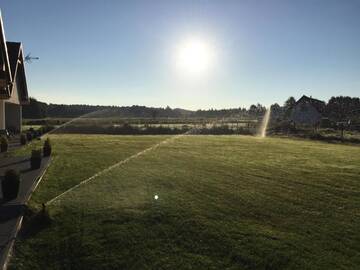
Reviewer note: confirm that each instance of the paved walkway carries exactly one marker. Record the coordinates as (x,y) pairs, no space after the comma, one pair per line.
(11,212)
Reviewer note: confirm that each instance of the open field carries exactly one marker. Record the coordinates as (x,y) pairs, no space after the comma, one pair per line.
(225,202)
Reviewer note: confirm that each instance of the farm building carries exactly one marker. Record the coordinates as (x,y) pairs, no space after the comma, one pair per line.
(307,111)
(13,88)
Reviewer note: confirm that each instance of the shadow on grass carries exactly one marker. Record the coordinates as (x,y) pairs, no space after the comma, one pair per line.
(192,240)
(34,222)
(149,237)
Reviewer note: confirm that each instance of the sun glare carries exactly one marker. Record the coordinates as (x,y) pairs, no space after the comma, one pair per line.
(194,56)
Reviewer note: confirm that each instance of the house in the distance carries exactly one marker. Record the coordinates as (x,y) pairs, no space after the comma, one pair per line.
(307,111)
(13,88)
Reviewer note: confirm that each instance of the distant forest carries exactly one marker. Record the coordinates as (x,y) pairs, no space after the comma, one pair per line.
(339,108)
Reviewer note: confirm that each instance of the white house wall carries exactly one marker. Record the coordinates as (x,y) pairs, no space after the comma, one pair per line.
(11,111)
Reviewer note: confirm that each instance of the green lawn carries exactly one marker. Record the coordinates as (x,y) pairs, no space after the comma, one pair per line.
(225,202)
(77,157)
(27,127)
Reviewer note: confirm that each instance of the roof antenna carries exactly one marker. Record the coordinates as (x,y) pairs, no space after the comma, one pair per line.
(28,58)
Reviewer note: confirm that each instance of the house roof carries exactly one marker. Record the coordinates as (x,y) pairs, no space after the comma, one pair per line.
(14,49)
(17,68)
(4,74)
(12,69)
(319,105)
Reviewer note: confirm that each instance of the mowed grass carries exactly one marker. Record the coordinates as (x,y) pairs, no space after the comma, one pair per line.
(225,202)
(78,157)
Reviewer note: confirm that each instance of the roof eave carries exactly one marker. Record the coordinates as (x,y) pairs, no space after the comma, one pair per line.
(3,48)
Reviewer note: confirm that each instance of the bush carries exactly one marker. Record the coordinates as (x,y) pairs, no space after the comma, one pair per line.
(47,148)
(47,128)
(35,159)
(40,131)
(11,184)
(4,144)
(34,133)
(23,139)
(29,136)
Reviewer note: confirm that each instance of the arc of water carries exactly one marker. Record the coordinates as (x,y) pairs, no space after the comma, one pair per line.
(124,161)
(73,120)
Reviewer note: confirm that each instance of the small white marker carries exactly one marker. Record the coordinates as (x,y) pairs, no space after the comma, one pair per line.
(156,197)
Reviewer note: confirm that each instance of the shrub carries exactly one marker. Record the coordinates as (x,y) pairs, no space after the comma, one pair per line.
(38,134)
(47,148)
(4,144)
(23,139)
(34,133)
(10,185)
(29,136)
(35,159)
(47,128)
(40,131)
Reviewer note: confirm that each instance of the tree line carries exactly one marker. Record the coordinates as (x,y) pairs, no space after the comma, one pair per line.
(340,108)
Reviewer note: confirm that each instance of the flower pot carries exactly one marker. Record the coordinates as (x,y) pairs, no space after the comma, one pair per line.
(35,163)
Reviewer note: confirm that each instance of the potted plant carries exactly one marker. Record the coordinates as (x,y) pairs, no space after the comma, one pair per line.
(29,136)
(23,139)
(47,148)
(10,184)
(35,159)
(4,144)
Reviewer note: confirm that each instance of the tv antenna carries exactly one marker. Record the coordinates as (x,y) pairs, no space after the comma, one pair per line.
(28,58)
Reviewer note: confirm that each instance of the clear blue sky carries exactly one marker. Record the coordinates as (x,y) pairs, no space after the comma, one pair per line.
(121,52)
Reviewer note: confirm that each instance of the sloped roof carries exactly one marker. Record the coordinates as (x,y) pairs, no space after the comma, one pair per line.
(316,103)
(4,54)
(17,68)
(13,49)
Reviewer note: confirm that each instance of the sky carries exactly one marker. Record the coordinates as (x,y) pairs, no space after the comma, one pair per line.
(124,52)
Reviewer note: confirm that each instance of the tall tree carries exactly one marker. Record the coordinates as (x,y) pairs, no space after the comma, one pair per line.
(35,109)
(288,105)
(342,108)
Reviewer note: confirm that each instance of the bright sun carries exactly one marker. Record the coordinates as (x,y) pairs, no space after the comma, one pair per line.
(194,56)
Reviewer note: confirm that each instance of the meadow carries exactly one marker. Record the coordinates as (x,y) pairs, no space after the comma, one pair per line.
(224,202)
